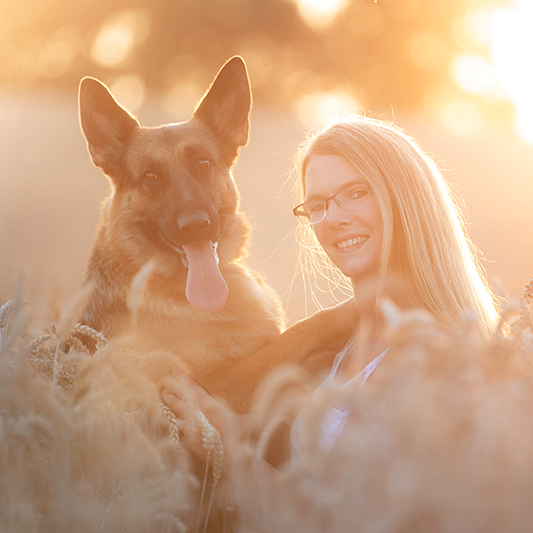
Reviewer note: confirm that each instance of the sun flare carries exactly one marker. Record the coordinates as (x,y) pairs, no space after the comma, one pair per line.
(318,14)
(512,56)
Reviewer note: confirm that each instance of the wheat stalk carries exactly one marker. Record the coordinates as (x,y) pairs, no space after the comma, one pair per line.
(526,312)
(212,443)
(171,420)
(35,343)
(5,310)
(208,443)
(101,341)
(129,352)
(9,307)
(167,517)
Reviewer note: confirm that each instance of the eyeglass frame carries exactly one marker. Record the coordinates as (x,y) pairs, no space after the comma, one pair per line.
(327,201)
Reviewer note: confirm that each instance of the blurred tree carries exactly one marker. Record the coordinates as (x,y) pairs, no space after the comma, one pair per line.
(383,52)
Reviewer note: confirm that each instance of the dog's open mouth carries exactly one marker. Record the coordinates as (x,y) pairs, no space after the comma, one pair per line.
(206,288)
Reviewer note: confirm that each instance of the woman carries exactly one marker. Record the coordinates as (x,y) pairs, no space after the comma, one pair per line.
(382,213)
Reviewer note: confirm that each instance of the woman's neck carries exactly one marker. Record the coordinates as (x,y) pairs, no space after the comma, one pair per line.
(371,340)
(366,293)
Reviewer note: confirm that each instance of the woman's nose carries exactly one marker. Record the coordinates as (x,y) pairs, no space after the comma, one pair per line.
(336,213)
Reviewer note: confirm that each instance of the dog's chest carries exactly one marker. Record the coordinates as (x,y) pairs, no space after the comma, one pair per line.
(250,319)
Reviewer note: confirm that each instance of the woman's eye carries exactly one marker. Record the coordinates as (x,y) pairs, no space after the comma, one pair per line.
(315,208)
(202,164)
(150,178)
(357,193)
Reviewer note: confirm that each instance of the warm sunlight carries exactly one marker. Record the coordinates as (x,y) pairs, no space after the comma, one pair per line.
(474,74)
(321,107)
(318,14)
(129,90)
(266,266)
(512,54)
(428,51)
(118,36)
(461,117)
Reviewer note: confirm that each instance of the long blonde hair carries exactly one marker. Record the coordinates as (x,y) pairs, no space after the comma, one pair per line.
(425,244)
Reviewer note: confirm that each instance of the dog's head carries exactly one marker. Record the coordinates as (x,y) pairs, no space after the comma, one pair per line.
(172,186)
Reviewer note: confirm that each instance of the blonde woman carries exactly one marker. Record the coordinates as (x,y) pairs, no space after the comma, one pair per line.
(381,210)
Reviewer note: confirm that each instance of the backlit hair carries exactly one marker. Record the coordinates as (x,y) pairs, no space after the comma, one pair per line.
(425,245)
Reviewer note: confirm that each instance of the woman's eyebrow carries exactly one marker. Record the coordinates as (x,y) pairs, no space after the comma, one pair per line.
(349,184)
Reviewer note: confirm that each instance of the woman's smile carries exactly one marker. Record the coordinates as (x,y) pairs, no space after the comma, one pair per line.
(352,242)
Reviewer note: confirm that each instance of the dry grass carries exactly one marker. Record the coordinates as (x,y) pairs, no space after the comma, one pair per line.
(88,465)
(441,439)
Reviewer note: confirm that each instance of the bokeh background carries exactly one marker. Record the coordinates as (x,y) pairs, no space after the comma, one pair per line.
(456,74)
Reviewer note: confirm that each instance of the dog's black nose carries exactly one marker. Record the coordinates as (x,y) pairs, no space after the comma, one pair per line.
(194,226)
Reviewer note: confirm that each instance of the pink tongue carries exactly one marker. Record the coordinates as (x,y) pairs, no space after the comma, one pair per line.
(206,289)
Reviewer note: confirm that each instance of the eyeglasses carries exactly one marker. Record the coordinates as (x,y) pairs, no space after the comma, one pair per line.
(351,197)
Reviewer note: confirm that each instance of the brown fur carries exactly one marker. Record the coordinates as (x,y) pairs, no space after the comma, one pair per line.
(229,351)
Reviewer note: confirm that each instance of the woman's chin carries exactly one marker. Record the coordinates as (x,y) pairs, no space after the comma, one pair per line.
(358,272)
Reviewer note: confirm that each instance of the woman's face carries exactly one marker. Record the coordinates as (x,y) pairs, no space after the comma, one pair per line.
(352,236)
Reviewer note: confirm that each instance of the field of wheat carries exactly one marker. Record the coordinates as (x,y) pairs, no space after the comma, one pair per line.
(441,439)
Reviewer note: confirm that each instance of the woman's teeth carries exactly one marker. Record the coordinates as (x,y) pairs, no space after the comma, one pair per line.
(351,242)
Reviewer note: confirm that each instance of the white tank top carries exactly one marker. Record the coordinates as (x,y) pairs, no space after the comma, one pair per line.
(336,417)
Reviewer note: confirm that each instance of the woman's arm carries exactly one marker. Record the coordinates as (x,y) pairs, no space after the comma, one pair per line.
(311,343)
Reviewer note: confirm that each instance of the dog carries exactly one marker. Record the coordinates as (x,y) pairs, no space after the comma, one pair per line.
(174,203)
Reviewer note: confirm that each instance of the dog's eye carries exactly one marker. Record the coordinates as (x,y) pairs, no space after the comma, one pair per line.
(202,164)
(150,178)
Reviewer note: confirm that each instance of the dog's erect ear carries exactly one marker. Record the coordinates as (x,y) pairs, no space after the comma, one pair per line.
(226,105)
(107,126)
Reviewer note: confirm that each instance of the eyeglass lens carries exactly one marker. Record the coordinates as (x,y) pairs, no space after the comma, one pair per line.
(350,197)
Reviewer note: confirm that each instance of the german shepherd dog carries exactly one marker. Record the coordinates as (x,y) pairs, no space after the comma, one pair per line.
(174,202)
